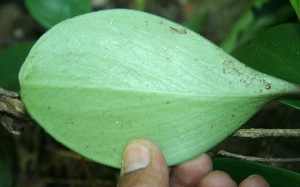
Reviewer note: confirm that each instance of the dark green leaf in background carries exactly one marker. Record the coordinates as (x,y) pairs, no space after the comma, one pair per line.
(296,6)
(257,16)
(140,4)
(276,52)
(197,23)
(6,176)
(49,13)
(11,60)
(240,169)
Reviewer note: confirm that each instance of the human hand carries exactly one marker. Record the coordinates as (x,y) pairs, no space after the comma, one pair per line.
(144,165)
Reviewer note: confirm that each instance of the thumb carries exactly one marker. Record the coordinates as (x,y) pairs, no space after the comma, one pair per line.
(143,165)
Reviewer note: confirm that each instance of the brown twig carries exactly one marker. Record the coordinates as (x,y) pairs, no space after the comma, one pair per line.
(13,115)
(256,159)
(260,133)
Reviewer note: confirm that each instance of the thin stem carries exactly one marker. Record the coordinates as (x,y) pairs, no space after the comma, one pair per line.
(260,133)
(257,159)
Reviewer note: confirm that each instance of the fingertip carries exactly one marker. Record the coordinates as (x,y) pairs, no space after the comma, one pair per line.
(143,165)
(254,181)
(217,179)
(190,172)
(203,160)
(136,156)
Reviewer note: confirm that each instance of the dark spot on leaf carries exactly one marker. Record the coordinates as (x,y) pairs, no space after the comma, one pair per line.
(268,86)
(178,31)
(167,102)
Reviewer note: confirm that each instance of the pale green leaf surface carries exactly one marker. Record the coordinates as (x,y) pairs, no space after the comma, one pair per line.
(96,81)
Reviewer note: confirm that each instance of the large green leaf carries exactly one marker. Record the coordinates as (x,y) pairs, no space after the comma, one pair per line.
(275,52)
(51,12)
(239,170)
(99,80)
(11,59)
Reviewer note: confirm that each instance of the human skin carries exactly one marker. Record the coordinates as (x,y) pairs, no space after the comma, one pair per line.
(144,165)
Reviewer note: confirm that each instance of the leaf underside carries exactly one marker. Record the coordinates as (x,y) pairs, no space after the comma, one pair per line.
(96,81)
